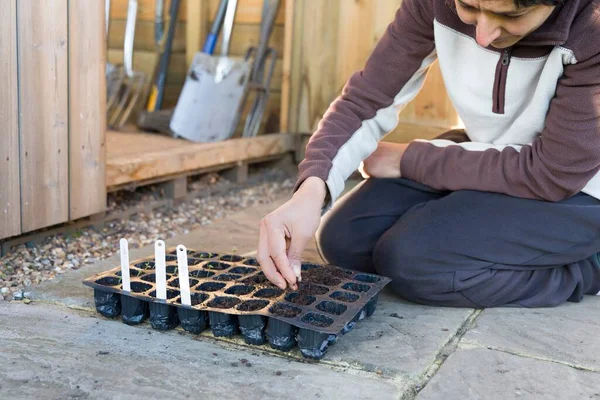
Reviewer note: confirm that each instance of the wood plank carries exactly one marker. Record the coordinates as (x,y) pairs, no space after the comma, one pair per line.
(318,70)
(87,109)
(10,209)
(144,36)
(43,63)
(288,56)
(197,30)
(165,156)
(249,11)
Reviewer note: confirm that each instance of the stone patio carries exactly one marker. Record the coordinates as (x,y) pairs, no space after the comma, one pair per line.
(57,346)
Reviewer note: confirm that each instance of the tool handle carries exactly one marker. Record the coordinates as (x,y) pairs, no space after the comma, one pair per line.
(213,35)
(107,15)
(161,77)
(228,27)
(129,37)
(159,22)
(270,10)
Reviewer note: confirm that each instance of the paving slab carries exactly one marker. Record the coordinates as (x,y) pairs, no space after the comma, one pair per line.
(568,333)
(57,352)
(488,374)
(400,338)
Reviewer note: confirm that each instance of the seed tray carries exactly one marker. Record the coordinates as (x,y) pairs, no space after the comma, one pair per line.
(230,294)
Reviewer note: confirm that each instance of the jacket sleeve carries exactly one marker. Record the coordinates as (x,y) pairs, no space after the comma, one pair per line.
(559,163)
(369,104)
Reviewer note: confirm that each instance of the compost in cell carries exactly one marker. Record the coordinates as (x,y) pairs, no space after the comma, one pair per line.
(231,258)
(300,299)
(252,305)
(211,286)
(344,296)
(132,272)
(139,287)
(367,278)
(224,302)
(171,294)
(146,265)
(356,287)
(226,277)
(200,273)
(331,307)
(242,270)
(317,320)
(216,265)
(109,281)
(240,290)
(268,293)
(175,282)
(285,310)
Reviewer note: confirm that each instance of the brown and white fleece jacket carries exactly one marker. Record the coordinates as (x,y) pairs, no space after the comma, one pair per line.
(531,112)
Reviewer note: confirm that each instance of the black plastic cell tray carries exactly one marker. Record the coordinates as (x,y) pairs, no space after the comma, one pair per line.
(337,298)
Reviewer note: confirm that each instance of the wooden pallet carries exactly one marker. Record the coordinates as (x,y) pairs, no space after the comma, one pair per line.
(138,158)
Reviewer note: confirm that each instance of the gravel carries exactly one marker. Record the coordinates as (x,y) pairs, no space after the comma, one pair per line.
(58,254)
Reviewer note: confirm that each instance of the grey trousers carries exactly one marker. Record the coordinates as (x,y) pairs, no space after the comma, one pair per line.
(466,248)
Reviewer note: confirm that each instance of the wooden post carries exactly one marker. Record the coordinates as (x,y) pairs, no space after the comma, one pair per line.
(10,192)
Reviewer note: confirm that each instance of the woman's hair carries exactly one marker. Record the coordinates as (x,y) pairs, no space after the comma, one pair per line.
(529,3)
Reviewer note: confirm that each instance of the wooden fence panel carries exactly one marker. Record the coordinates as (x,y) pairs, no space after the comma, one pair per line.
(87,108)
(10,209)
(43,92)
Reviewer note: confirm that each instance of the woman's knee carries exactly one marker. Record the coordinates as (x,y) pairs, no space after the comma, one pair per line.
(340,245)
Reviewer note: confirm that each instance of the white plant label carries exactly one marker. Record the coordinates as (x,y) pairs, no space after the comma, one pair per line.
(184,277)
(125,265)
(161,270)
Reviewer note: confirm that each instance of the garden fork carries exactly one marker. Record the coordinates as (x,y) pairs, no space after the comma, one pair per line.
(121,105)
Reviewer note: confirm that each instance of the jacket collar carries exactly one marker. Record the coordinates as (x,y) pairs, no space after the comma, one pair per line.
(555,30)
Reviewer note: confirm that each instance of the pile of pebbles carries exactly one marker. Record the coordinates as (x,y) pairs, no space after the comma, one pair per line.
(26,266)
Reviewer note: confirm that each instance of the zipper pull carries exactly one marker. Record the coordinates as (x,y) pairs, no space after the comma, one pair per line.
(505,57)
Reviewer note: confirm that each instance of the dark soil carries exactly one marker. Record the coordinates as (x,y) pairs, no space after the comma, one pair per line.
(268,293)
(301,299)
(204,255)
(211,286)
(226,277)
(240,290)
(216,265)
(139,287)
(331,307)
(251,261)
(109,281)
(311,290)
(317,320)
(197,298)
(367,278)
(145,265)
(345,297)
(285,310)
(175,283)
(170,293)
(232,258)
(149,278)
(253,305)
(257,280)
(132,272)
(224,302)
(201,274)
(323,276)
(242,270)
(357,287)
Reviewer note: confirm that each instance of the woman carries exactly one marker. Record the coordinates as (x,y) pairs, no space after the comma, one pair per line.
(504,213)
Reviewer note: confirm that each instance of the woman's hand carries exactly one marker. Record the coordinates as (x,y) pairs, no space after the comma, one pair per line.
(285,233)
(384,162)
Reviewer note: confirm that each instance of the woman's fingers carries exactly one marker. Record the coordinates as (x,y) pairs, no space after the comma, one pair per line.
(264,258)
